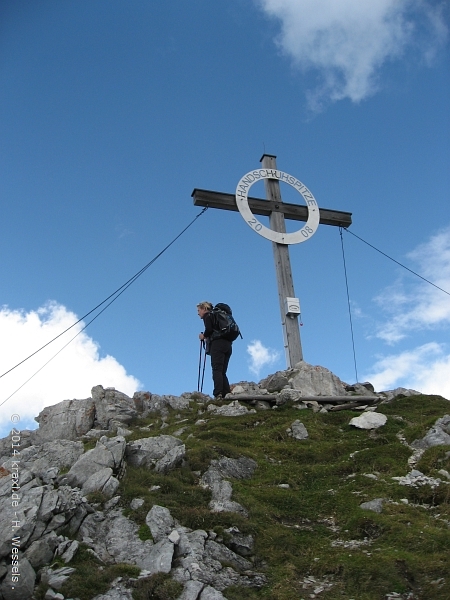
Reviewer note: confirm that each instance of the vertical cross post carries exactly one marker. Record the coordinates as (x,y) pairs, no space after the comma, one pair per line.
(291,329)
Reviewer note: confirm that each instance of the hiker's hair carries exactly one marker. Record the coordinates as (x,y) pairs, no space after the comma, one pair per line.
(205,305)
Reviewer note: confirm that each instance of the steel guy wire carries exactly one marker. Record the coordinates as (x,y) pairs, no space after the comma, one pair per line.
(349,307)
(397,262)
(112,297)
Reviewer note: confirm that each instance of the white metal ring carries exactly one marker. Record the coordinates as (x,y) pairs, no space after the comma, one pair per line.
(303,234)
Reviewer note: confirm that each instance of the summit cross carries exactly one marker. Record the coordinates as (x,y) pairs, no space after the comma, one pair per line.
(278,211)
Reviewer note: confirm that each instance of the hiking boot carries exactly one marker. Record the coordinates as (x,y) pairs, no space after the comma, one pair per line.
(218,397)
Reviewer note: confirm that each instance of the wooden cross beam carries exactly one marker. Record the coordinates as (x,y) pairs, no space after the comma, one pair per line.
(294,212)
(278,211)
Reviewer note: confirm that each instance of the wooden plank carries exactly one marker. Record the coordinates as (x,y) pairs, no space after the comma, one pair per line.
(252,397)
(318,399)
(348,406)
(295,212)
(339,399)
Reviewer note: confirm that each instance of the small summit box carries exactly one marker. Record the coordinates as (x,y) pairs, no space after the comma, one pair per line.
(292,307)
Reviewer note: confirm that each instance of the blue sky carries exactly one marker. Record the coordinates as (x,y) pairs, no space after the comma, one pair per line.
(111,113)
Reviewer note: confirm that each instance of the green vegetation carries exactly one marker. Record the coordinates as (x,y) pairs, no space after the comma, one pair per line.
(314,530)
(89,444)
(91,576)
(96,498)
(157,587)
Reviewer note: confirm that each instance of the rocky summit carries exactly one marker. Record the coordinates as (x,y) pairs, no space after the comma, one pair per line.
(82,497)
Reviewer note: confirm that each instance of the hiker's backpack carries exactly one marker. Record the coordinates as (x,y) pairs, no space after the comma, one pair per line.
(224,324)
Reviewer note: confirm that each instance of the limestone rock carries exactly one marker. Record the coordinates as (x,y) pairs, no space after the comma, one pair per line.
(55,578)
(438,435)
(238,542)
(275,382)
(190,551)
(191,590)
(233,409)
(110,487)
(26,439)
(114,538)
(369,420)
(315,381)
(374,505)
(141,401)
(153,403)
(160,522)
(225,555)
(41,510)
(108,453)
(55,454)
(23,588)
(171,460)
(174,537)
(444,473)
(298,431)
(210,593)
(238,389)
(361,389)
(176,402)
(214,479)
(221,499)
(288,395)
(417,479)
(248,388)
(70,551)
(369,387)
(67,420)
(197,559)
(239,468)
(52,595)
(399,393)
(41,551)
(159,558)
(146,452)
(102,481)
(262,405)
(112,408)
(26,515)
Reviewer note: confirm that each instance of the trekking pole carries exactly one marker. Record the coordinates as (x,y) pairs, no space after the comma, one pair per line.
(204,363)
(199,367)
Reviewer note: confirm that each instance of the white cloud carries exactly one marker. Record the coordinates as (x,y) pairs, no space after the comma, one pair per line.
(413,305)
(425,369)
(417,305)
(347,41)
(260,356)
(71,374)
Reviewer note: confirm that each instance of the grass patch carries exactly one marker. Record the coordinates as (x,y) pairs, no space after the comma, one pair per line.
(157,587)
(89,444)
(92,577)
(433,460)
(419,413)
(96,497)
(144,533)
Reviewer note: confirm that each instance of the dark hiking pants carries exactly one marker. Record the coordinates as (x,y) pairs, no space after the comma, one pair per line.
(220,352)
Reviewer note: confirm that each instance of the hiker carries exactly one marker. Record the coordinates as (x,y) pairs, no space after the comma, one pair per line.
(218,348)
